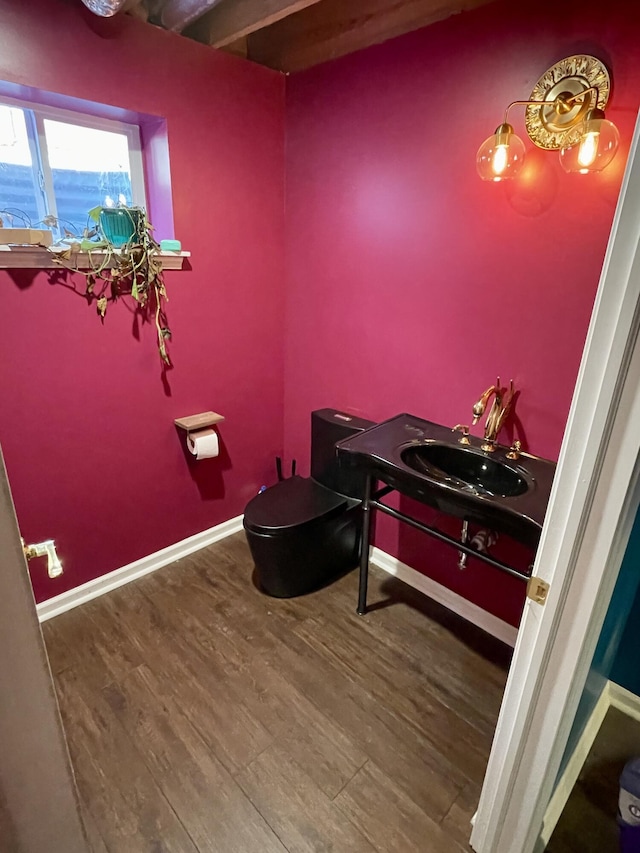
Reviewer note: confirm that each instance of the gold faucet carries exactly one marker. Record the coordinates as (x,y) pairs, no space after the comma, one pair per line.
(498,413)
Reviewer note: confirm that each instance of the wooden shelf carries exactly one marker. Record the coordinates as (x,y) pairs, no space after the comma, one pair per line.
(195,422)
(39,258)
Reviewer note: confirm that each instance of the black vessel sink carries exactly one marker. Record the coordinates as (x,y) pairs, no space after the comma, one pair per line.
(425,461)
(466,465)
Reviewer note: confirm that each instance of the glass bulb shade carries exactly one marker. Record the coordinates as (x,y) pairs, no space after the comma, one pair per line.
(104,8)
(590,146)
(501,156)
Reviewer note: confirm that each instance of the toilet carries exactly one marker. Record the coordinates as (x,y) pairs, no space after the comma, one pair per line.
(306,531)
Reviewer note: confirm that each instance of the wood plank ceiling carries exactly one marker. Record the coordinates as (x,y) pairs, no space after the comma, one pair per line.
(290,35)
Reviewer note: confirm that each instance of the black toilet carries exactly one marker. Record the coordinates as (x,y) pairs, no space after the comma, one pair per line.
(305,531)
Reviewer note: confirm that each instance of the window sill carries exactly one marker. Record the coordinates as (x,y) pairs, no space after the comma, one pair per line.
(36,257)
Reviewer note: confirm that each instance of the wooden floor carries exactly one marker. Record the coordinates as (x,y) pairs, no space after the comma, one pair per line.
(202,715)
(588,822)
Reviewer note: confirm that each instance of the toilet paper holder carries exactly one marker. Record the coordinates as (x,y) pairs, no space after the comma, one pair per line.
(202,440)
(201,421)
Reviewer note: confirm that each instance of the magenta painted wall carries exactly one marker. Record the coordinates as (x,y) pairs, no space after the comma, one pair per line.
(406,283)
(411,284)
(87,420)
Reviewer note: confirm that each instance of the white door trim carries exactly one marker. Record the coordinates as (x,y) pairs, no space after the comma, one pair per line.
(592,505)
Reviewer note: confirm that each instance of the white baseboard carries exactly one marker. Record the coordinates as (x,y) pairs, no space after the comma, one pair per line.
(467,609)
(569,777)
(95,588)
(92,589)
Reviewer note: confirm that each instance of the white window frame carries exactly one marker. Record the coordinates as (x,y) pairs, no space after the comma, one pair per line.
(45,198)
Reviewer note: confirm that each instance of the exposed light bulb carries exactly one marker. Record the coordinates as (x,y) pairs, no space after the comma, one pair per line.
(500,158)
(588,149)
(591,145)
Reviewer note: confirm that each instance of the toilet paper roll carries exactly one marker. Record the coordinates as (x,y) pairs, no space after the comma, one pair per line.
(203,443)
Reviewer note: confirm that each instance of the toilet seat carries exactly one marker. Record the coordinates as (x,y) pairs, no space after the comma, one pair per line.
(294,503)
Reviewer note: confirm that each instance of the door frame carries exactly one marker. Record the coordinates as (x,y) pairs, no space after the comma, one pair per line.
(592,506)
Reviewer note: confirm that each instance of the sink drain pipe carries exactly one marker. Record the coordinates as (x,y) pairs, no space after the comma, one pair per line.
(464,538)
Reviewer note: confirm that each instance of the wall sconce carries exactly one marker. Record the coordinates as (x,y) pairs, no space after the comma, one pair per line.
(565,113)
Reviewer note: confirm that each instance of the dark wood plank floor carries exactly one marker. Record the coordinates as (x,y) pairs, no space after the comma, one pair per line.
(202,715)
(588,822)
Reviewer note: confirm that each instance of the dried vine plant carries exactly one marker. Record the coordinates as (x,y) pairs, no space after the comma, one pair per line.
(134,269)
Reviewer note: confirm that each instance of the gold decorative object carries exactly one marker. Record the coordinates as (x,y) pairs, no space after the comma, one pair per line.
(568,90)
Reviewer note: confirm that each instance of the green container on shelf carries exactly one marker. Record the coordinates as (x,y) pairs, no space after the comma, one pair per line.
(119,225)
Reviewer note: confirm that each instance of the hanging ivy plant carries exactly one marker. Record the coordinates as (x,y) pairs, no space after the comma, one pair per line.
(123,260)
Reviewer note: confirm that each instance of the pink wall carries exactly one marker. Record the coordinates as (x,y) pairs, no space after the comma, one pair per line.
(87,421)
(411,283)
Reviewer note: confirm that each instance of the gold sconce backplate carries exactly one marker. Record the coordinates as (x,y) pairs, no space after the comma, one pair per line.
(547,124)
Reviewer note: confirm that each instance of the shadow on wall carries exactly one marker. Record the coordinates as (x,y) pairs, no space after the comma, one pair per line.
(535,191)
(207,474)
(486,586)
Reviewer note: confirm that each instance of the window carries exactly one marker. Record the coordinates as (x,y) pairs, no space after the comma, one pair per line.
(59,163)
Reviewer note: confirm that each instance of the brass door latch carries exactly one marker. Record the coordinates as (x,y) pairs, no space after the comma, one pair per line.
(537,590)
(45,549)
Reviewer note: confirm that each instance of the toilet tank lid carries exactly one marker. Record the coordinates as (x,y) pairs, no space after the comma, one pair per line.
(292,503)
(350,421)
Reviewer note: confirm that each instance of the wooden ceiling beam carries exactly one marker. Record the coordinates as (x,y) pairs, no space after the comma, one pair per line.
(234,19)
(177,14)
(337,27)
(240,47)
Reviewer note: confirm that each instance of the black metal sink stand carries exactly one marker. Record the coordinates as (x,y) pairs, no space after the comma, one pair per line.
(372,502)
